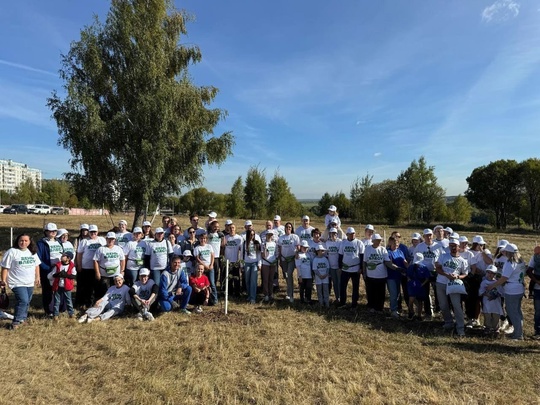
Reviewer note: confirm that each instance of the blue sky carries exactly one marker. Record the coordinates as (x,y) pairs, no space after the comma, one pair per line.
(324,92)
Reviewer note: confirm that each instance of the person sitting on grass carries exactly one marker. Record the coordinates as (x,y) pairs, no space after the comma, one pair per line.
(201,288)
(417,277)
(111,304)
(61,278)
(143,294)
(174,289)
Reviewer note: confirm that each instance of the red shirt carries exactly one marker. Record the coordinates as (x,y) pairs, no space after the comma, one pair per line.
(199,282)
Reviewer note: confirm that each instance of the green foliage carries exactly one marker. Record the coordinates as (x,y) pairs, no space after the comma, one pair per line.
(235,206)
(201,201)
(255,193)
(338,199)
(57,192)
(496,188)
(137,127)
(26,193)
(363,200)
(280,198)
(530,175)
(459,211)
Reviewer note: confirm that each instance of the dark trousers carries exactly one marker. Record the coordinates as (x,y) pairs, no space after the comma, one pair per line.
(404,294)
(101,286)
(376,293)
(85,288)
(472,302)
(306,287)
(234,280)
(46,291)
(345,277)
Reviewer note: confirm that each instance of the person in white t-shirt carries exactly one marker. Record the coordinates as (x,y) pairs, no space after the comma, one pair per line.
(369,230)
(351,254)
(491,302)
(321,269)
(287,245)
(111,304)
(374,270)
(332,216)
(269,265)
(232,247)
(157,255)
(85,267)
(109,260)
(478,264)
(123,236)
(304,230)
(332,250)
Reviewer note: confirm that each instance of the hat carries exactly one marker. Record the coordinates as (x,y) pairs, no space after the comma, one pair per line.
(228,222)
(159,230)
(491,268)
(332,208)
(248,223)
(416,236)
(61,232)
(463,239)
(350,229)
(320,247)
(93,228)
(277,218)
(269,232)
(428,231)
(438,227)
(122,221)
(418,258)
(83,226)
(305,217)
(111,235)
(69,255)
(212,215)
(144,272)
(187,253)
(333,221)
(511,248)
(478,239)
(502,243)
(376,236)
(453,241)
(146,223)
(454,235)
(448,229)
(119,276)
(370,227)
(200,232)
(304,243)
(51,227)
(332,230)
(137,229)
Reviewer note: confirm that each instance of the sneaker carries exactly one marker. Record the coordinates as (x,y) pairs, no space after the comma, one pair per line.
(509,330)
(504,325)
(175,305)
(395,315)
(266,298)
(287,297)
(140,317)
(83,318)
(150,317)
(198,310)
(185,311)
(55,318)
(475,323)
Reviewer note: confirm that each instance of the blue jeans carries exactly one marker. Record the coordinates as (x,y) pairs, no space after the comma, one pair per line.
(166,304)
(131,276)
(156,276)
(335,277)
(513,310)
(394,292)
(251,272)
(213,290)
(58,294)
(536,312)
(23,296)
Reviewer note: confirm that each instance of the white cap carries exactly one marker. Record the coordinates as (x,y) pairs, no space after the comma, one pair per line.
(137,229)
(186,253)
(502,243)
(350,229)
(448,229)
(228,222)
(418,258)
(61,232)
(119,276)
(93,228)
(370,227)
(428,231)
(83,226)
(277,218)
(478,239)
(320,247)
(511,248)
(144,272)
(51,227)
(454,235)
(438,227)
(304,243)
(453,241)
(491,268)
(122,221)
(111,235)
(332,230)
(248,223)
(146,223)
(376,236)
(305,217)
(159,230)
(212,215)
(463,239)
(332,208)
(416,236)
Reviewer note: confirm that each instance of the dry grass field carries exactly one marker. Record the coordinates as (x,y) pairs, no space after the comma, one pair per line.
(260,354)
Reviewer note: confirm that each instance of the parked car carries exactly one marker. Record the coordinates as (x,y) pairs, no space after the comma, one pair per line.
(40,209)
(58,211)
(16,209)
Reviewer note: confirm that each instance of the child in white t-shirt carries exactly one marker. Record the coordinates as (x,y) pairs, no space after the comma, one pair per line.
(321,269)
(491,301)
(303,264)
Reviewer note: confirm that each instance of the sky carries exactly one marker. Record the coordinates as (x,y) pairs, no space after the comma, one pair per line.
(321,92)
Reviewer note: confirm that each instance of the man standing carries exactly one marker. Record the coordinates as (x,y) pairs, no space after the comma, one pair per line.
(351,255)
(49,251)
(304,230)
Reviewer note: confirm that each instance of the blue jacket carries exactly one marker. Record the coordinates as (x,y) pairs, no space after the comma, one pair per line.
(169,282)
(44,254)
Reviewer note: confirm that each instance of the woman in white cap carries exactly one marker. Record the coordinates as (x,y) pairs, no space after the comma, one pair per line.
(123,236)
(49,251)
(478,265)
(148,234)
(85,267)
(287,245)
(134,252)
(332,250)
(111,304)
(157,254)
(269,266)
(62,236)
(513,276)
(109,261)
(83,234)
(332,215)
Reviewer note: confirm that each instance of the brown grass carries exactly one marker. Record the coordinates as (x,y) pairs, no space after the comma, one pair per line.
(261,354)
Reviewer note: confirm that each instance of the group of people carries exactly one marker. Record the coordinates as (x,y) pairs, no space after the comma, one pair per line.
(165,268)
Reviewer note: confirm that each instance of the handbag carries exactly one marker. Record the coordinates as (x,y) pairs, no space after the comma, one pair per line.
(4,299)
(455,287)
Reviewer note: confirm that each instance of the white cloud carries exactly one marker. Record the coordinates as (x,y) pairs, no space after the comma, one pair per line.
(501,10)
(377,154)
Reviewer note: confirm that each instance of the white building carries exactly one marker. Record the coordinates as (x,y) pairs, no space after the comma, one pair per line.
(12,174)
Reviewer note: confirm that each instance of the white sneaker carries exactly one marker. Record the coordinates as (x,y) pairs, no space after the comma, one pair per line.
(395,314)
(509,330)
(150,317)
(504,325)
(83,319)
(198,310)
(140,317)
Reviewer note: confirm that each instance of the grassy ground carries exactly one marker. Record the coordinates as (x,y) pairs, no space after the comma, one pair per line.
(260,354)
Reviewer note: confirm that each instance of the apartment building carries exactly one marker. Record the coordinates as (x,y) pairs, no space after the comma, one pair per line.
(12,174)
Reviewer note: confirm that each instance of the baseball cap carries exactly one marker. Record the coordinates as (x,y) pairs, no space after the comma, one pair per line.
(69,255)
(248,223)
(376,236)
(453,241)
(428,231)
(448,229)
(304,243)
(454,235)
(212,215)
(83,226)
(416,236)
(305,217)
(122,221)
(111,235)
(321,247)
(418,258)
(332,208)
(61,232)
(93,228)
(491,268)
(370,227)
(277,218)
(438,227)
(119,276)
(332,230)
(350,229)
(159,230)
(146,223)
(51,227)
(144,272)
(228,222)
(137,229)
(187,253)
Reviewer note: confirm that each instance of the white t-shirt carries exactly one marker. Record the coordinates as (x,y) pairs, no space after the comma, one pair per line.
(374,259)
(451,265)
(233,245)
(55,249)
(332,252)
(122,238)
(321,267)
(118,297)
(109,260)
(515,272)
(531,265)
(329,218)
(214,240)
(159,253)
(431,254)
(271,253)
(478,260)
(134,253)
(304,233)
(288,244)
(303,264)
(87,249)
(493,306)
(21,265)
(351,250)
(204,253)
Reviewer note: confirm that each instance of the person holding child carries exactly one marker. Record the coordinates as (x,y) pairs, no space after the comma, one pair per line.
(491,301)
